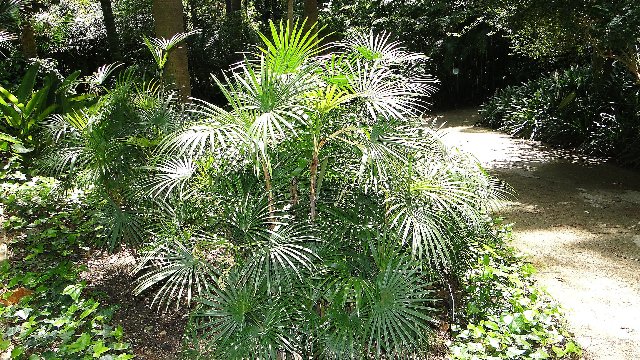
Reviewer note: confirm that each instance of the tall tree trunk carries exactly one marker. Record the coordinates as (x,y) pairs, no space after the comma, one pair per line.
(169,20)
(290,13)
(311,14)
(112,33)
(28,40)
(236,5)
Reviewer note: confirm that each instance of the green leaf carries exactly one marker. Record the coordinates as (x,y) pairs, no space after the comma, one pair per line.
(9,138)
(28,82)
(74,291)
(4,344)
(80,344)
(17,352)
(99,349)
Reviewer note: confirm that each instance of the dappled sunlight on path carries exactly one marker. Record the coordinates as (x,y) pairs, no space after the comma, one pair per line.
(579,220)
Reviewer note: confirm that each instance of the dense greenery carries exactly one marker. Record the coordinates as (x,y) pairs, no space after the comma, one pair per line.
(575,109)
(297,206)
(45,311)
(506,316)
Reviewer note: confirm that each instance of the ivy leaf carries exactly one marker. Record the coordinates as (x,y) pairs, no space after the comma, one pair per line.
(99,349)
(82,343)
(74,291)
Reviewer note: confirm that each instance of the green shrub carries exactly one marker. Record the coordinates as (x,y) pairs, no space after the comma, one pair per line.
(573,109)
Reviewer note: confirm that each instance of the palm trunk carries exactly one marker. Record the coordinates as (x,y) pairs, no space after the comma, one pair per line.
(311,14)
(169,20)
(110,26)
(313,187)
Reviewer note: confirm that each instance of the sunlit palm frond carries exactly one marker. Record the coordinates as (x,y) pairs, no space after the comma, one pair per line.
(98,78)
(5,38)
(285,256)
(385,93)
(268,103)
(289,48)
(216,130)
(169,176)
(380,47)
(160,47)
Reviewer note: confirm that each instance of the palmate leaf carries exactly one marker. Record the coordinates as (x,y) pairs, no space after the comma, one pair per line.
(169,176)
(179,267)
(289,48)
(401,306)
(380,47)
(270,104)
(216,131)
(386,94)
(242,322)
(282,258)
(160,47)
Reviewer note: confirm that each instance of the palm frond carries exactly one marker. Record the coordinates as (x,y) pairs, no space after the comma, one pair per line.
(160,47)
(169,176)
(284,257)
(244,323)
(98,78)
(381,48)
(289,48)
(386,94)
(179,267)
(217,131)
(401,307)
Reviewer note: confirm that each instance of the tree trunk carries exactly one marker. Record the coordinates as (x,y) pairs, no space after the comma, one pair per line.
(310,14)
(112,33)
(236,5)
(169,20)
(290,13)
(28,40)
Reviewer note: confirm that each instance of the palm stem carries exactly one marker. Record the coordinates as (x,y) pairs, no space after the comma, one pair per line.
(267,184)
(312,190)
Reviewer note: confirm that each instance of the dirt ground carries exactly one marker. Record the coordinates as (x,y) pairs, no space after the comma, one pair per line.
(579,221)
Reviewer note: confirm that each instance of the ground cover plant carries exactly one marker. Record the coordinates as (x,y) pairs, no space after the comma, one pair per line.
(504,314)
(45,313)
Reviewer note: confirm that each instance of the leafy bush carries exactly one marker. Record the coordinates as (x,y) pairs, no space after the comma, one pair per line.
(575,109)
(315,214)
(505,316)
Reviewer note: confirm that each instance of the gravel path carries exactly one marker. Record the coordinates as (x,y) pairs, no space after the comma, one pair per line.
(579,220)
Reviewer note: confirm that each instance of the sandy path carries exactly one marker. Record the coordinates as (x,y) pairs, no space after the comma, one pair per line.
(580,223)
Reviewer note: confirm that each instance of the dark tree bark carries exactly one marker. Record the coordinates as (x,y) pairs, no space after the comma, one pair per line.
(112,33)
(169,20)
(290,13)
(28,40)
(236,5)
(311,14)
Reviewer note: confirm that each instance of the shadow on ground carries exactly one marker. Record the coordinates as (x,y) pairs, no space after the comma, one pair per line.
(579,220)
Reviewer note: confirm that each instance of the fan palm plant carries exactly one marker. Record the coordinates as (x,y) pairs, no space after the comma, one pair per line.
(341,208)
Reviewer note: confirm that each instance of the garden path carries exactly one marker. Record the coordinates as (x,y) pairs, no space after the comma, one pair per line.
(578,219)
